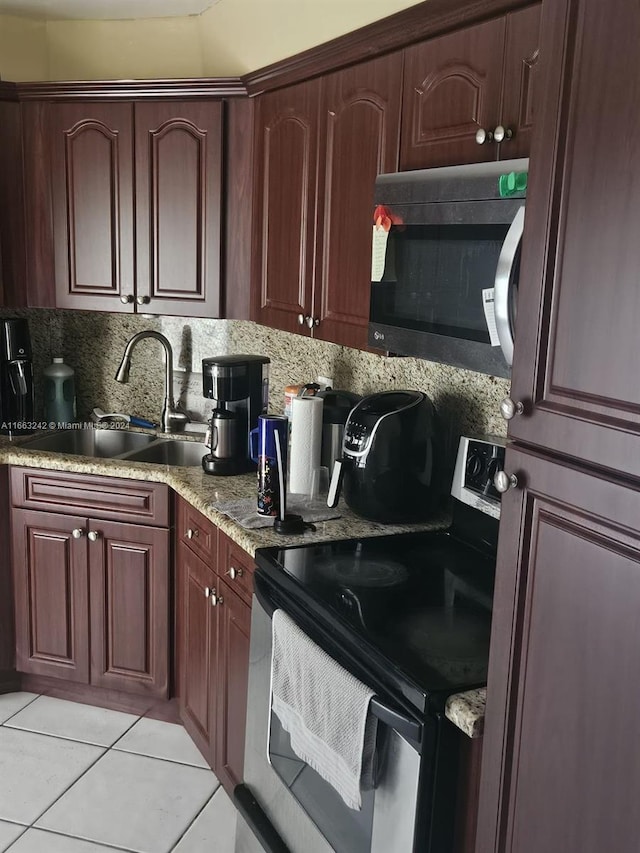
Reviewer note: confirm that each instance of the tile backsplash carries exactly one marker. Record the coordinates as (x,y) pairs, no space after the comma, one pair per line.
(93,343)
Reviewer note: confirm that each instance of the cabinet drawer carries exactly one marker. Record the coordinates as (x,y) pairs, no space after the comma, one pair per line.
(235,567)
(102,497)
(197,532)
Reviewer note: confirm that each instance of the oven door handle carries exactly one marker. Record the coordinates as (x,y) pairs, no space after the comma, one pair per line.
(410,730)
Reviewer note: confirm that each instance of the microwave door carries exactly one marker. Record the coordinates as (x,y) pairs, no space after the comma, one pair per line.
(505,283)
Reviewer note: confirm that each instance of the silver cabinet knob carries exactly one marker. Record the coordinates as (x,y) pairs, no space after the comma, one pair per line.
(312,321)
(509,408)
(483,136)
(193,533)
(77,533)
(93,536)
(143,300)
(216,599)
(301,319)
(503,482)
(501,133)
(127,300)
(207,591)
(234,573)
(308,320)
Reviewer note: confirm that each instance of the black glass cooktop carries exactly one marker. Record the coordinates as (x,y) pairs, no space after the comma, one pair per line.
(421,601)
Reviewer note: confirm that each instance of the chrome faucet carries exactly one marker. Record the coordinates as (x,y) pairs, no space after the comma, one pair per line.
(173,419)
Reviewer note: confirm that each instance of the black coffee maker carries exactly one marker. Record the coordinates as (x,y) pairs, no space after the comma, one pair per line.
(16,378)
(392,458)
(239,384)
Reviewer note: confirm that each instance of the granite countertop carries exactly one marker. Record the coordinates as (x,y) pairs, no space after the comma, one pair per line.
(202,490)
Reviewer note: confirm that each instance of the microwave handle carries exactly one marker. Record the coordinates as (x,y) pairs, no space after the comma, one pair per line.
(503,279)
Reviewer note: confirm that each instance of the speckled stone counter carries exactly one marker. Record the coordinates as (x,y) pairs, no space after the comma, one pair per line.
(201,490)
(466,711)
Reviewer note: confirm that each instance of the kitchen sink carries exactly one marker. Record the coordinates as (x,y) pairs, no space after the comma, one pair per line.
(103,443)
(166,452)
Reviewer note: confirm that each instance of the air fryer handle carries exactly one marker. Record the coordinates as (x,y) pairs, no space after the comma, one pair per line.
(335,486)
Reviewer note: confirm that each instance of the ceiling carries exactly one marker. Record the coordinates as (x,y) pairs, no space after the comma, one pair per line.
(103,9)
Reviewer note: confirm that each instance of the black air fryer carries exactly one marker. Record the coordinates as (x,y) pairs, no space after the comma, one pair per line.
(391,458)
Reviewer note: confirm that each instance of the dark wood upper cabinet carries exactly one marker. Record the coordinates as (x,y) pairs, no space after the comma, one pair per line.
(560,770)
(319,148)
(477,78)
(129,578)
(575,363)
(92,191)
(136,193)
(359,139)
(285,206)
(178,151)
(51,588)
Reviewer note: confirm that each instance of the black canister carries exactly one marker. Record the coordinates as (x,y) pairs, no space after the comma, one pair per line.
(335,411)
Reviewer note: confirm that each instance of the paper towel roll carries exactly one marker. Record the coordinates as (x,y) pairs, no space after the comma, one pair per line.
(306,438)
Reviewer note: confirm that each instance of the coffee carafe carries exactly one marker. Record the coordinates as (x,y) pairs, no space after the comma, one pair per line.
(16,378)
(239,384)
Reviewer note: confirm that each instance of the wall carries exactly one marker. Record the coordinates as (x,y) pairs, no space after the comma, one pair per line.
(93,344)
(230,39)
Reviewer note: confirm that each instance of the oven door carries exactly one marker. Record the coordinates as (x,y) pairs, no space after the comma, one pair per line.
(304,810)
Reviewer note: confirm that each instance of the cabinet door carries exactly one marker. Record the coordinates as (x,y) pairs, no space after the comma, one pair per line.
(576,351)
(178,207)
(92,188)
(196,649)
(285,211)
(360,138)
(234,628)
(521,80)
(129,569)
(51,594)
(561,769)
(452,88)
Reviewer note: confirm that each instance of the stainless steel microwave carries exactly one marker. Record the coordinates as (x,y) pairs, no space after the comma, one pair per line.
(446,261)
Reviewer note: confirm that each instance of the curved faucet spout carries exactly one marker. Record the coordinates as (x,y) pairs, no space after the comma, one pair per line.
(173,418)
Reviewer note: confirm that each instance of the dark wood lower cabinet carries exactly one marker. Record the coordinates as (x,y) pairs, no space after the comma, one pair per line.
(234,628)
(51,595)
(129,579)
(214,623)
(196,649)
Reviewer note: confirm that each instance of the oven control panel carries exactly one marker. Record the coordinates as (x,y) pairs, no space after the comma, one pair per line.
(479,460)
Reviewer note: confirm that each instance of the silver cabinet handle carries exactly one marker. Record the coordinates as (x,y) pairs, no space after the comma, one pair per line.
(312,321)
(501,133)
(510,408)
(216,599)
(503,482)
(483,136)
(93,536)
(207,591)
(301,319)
(234,573)
(127,300)
(309,320)
(193,533)
(143,300)
(77,533)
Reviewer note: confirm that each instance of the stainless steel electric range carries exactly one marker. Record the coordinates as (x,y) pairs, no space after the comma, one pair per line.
(410,616)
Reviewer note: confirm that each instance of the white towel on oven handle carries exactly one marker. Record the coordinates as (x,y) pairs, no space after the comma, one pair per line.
(324,709)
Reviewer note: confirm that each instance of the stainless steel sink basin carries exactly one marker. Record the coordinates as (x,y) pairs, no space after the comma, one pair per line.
(103,443)
(165,452)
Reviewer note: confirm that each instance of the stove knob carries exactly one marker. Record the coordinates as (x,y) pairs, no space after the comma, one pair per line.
(475,464)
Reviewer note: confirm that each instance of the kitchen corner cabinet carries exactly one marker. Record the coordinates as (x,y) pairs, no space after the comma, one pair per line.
(214,579)
(320,146)
(459,88)
(91,583)
(559,771)
(136,200)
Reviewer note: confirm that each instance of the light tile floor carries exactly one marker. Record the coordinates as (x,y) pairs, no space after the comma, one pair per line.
(79,779)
